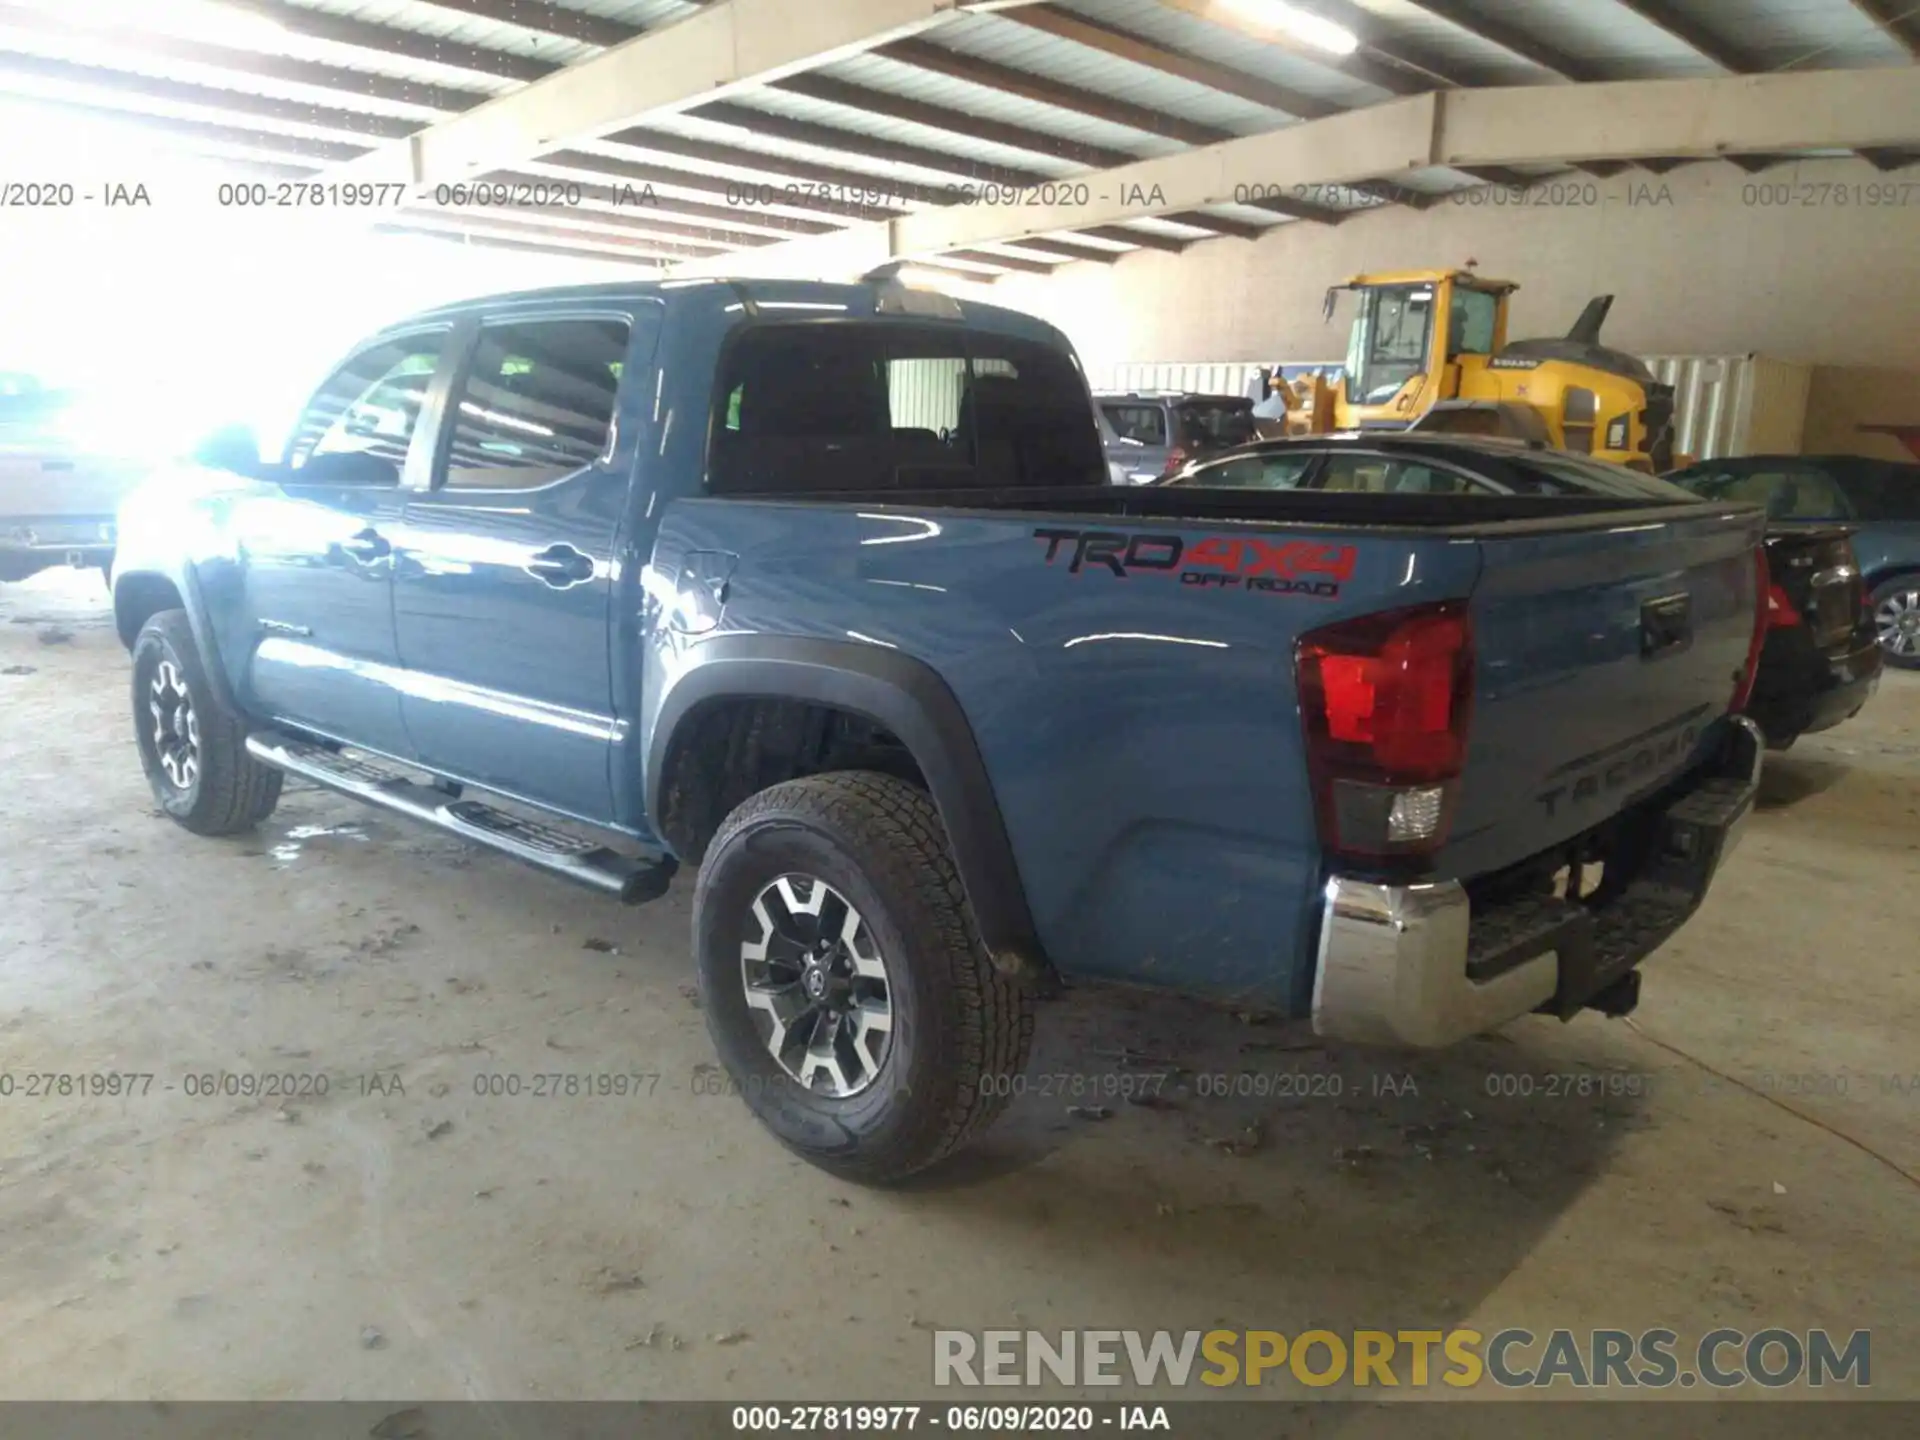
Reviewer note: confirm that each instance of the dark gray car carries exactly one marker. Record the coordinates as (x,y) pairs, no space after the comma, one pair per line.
(1156,432)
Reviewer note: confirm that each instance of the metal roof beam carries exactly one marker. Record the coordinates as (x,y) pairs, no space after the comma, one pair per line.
(866,147)
(1704,42)
(954,122)
(1507,37)
(1006,262)
(1369,64)
(1066,250)
(356,124)
(393,40)
(723,49)
(544,18)
(1546,124)
(1897,18)
(1007,80)
(499,242)
(1138,50)
(1144,239)
(129,37)
(1217,224)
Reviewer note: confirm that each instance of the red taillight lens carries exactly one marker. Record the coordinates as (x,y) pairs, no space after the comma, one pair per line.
(1762,611)
(1781,614)
(1385,701)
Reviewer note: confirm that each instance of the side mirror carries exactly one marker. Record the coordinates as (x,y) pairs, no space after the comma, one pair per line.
(234,447)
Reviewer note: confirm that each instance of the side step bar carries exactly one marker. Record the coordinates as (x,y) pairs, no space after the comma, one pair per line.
(631,878)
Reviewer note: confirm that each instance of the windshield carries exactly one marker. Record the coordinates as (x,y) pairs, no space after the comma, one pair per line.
(1389,342)
(1471,472)
(1787,491)
(1567,474)
(1214,424)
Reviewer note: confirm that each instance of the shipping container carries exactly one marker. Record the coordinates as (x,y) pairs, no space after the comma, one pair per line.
(1724,405)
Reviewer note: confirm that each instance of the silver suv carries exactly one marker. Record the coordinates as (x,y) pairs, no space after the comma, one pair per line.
(1155,432)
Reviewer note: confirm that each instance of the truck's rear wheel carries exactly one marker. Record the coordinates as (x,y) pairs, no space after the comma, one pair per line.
(191,746)
(846,991)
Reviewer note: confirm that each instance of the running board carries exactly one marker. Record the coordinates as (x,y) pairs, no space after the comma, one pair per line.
(631,878)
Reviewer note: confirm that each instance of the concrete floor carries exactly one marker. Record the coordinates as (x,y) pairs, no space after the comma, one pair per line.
(440,1244)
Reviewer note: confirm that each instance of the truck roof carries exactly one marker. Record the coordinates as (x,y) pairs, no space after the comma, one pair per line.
(859,295)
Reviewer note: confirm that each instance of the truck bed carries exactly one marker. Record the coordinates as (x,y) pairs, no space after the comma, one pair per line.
(1451,514)
(1126,661)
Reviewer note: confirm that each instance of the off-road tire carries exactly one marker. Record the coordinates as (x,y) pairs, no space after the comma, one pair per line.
(961,1030)
(230,791)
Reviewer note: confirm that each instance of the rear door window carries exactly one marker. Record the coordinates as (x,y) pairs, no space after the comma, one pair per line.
(536,403)
(1144,423)
(860,407)
(1216,425)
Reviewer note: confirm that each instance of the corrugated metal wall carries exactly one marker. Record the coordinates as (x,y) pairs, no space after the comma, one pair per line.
(1735,404)
(1723,404)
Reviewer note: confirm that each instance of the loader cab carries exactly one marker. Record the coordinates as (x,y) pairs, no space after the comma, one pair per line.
(1410,333)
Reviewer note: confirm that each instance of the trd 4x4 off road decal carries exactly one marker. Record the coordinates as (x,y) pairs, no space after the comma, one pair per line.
(1281,567)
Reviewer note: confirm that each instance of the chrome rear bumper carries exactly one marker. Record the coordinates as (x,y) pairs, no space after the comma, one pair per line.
(1403,964)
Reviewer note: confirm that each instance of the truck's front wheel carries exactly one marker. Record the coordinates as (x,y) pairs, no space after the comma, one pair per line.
(191,746)
(845,988)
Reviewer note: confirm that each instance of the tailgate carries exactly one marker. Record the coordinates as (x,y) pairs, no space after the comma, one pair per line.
(1604,655)
(46,482)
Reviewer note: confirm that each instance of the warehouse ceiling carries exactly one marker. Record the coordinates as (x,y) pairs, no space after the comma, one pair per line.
(668,131)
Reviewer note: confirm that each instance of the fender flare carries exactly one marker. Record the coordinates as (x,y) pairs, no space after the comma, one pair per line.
(186,584)
(910,699)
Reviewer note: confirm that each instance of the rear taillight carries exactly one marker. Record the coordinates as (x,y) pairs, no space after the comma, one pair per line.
(1762,612)
(1781,614)
(1385,700)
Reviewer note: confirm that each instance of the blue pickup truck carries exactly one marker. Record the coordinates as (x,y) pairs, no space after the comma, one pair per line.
(822,590)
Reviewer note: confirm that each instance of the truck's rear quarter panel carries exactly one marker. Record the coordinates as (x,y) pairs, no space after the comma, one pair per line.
(1141,733)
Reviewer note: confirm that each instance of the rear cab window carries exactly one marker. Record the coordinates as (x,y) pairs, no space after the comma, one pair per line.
(867,407)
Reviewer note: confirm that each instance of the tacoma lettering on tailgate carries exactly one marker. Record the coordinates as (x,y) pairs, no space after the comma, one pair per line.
(1281,567)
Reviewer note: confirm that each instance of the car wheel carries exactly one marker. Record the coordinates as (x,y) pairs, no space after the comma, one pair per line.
(192,747)
(1896,620)
(845,988)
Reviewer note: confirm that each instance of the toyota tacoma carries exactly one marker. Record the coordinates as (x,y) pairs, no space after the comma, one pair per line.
(821,592)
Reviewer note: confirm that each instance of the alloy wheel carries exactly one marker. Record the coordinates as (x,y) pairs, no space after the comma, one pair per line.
(176,728)
(816,986)
(1897,621)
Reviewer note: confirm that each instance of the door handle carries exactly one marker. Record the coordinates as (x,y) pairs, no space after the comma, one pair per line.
(368,544)
(560,566)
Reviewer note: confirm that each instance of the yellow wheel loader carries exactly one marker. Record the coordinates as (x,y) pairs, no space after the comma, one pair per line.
(1429,351)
